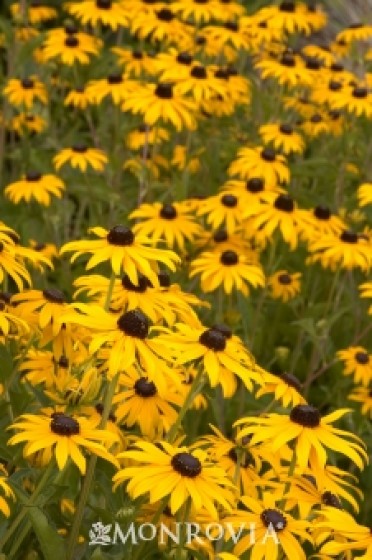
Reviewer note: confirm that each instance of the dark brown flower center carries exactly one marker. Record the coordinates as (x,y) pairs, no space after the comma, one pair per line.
(104,4)
(165,15)
(356,25)
(349,237)
(273,518)
(268,154)
(330,499)
(138,55)
(168,212)
(334,85)
(322,212)
(33,176)
(71,42)
(362,358)
(229,258)
(198,72)
(121,236)
(288,60)
(213,339)
(229,200)
(134,323)
(186,464)
(316,118)
(27,83)
(80,148)
(220,236)
(313,63)
(255,185)
(184,58)
(284,202)
(64,425)
(143,284)
(360,92)
(287,7)
(305,415)
(164,279)
(164,91)
(285,279)
(231,26)
(54,295)
(223,329)
(145,388)
(63,362)
(113,79)
(286,128)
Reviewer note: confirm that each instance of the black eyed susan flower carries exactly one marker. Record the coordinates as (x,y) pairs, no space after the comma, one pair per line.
(116,86)
(358,363)
(10,324)
(224,210)
(280,212)
(25,92)
(10,265)
(285,388)
(160,25)
(28,124)
(201,84)
(318,222)
(36,12)
(198,11)
(354,537)
(363,395)
(217,349)
(229,269)
(146,135)
(356,99)
(6,491)
(366,292)
(125,251)
(95,12)
(284,285)
(348,250)
(77,98)
(166,470)
(69,45)
(283,137)
(293,17)
(364,194)
(316,125)
(170,222)
(162,103)
(135,61)
(355,32)
(260,162)
(265,515)
(289,70)
(139,402)
(37,186)
(127,337)
(81,156)
(229,33)
(310,432)
(62,435)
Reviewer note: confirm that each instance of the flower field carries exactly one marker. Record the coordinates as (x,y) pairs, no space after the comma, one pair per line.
(186,289)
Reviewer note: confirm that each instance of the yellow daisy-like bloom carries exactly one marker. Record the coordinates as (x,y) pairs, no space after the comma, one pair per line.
(363,395)
(36,12)
(25,123)
(294,17)
(348,250)
(289,70)
(160,25)
(77,98)
(355,99)
(283,285)
(283,137)
(319,222)
(80,156)
(166,470)
(199,12)
(224,210)
(364,194)
(260,162)
(232,270)
(366,292)
(170,222)
(63,435)
(95,12)
(358,363)
(127,336)
(6,490)
(355,32)
(25,92)
(146,135)
(217,349)
(69,45)
(285,388)
(140,403)
(9,264)
(116,86)
(280,212)
(229,33)
(266,516)
(125,251)
(340,523)
(310,433)
(135,62)
(35,185)
(201,83)
(10,325)
(162,102)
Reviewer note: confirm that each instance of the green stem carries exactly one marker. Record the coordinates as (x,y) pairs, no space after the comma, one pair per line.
(31,502)
(109,291)
(287,486)
(195,389)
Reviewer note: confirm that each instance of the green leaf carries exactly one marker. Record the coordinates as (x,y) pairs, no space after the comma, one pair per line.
(51,544)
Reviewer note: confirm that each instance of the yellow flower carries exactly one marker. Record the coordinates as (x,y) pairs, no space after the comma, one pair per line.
(69,45)
(283,137)
(260,162)
(365,194)
(283,285)
(25,92)
(110,13)
(348,250)
(35,185)
(6,490)
(357,362)
(81,156)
